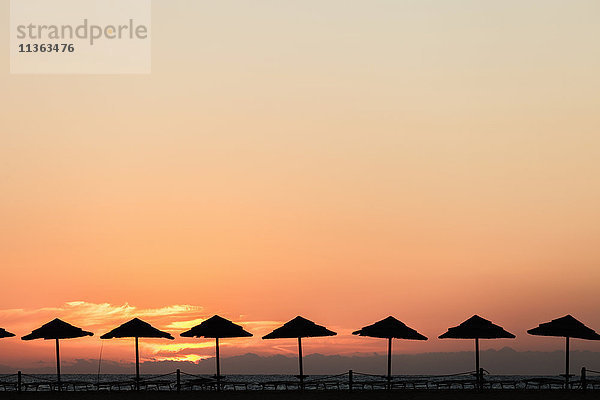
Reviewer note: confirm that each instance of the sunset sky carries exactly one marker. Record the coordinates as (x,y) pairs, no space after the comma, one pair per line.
(340,160)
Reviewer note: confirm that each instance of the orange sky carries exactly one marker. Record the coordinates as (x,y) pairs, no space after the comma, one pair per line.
(100,318)
(343,161)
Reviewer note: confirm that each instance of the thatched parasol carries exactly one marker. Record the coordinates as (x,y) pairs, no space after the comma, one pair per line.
(57,329)
(477,328)
(567,327)
(136,328)
(390,328)
(4,333)
(298,328)
(217,327)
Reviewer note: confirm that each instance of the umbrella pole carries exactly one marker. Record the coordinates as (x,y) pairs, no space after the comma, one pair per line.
(477,363)
(389,360)
(567,363)
(300,361)
(137,365)
(218,366)
(58,365)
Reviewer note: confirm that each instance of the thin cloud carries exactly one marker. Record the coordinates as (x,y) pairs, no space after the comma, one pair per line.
(180,325)
(97,315)
(101,317)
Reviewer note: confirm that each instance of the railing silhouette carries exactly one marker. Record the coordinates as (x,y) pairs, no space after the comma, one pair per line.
(589,382)
(347,381)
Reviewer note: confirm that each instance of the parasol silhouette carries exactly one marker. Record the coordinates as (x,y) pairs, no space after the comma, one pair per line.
(136,328)
(477,328)
(217,327)
(57,329)
(298,328)
(389,328)
(567,327)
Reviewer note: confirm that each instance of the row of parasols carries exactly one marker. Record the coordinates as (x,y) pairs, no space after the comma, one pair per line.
(389,328)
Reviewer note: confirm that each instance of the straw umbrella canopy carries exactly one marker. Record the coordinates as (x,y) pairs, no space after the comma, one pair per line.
(136,328)
(390,328)
(567,327)
(477,328)
(217,327)
(4,333)
(298,328)
(57,329)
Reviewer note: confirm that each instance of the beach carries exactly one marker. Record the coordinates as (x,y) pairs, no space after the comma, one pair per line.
(319,395)
(300,199)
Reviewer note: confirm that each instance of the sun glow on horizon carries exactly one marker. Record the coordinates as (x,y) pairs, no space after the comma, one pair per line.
(189,357)
(105,316)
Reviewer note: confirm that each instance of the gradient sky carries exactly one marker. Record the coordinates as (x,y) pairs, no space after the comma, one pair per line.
(342,160)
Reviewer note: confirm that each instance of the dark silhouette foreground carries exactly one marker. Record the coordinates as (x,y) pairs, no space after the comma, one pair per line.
(298,328)
(477,328)
(57,329)
(217,327)
(390,328)
(136,328)
(567,327)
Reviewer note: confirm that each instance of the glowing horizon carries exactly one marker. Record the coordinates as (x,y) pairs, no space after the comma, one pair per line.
(100,318)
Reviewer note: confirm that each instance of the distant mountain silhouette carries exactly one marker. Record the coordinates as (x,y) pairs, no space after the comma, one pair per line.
(503,362)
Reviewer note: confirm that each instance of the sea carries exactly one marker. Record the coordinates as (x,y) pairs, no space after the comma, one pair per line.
(46,382)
